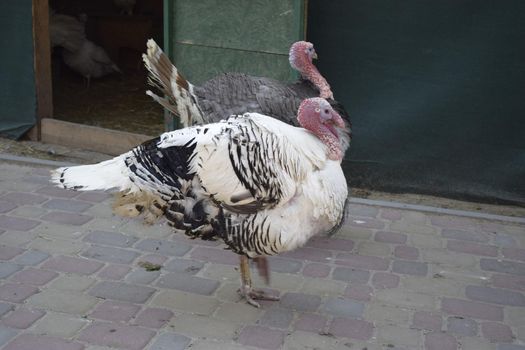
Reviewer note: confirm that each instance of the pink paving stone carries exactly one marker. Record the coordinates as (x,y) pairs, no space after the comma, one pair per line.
(153,317)
(114,272)
(426,320)
(215,255)
(261,337)
(363,261)
(497,332)
(391,237)
(17,224)
(73,265)
(6,206)
(15,292)
(331,243)
(115,311)
(8,253)
(360,292)
(350,328)
(310,323)
(472,248)
(384,280)
(514,253)
(22,318)
(390,214)
(34,276)
(311,254)
(116,335)
(440,341)
(40,342)
(316,270)
(509,281)
(406,252)
(472,309)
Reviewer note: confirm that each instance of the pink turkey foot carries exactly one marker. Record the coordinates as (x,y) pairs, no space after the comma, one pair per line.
(246,290)
(250,294)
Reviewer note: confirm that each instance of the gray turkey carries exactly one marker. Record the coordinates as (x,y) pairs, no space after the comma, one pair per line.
(236,93)
(261,186)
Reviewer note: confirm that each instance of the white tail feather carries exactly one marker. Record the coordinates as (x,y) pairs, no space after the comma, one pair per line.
(180,99)
(109,174)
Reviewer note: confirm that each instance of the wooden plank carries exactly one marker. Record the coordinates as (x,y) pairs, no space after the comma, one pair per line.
(92,138)
(42,52)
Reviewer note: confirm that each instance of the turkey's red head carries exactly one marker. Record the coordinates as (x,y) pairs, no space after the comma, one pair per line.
(316,114)
(300,57)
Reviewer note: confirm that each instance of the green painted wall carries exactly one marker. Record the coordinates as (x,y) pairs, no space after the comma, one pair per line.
(435,89)
(17,84)
(208,37)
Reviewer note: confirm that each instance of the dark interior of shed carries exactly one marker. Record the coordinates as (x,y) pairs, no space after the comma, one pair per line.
(116,100)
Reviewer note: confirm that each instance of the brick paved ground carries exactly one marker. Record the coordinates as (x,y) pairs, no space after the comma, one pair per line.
(391,279)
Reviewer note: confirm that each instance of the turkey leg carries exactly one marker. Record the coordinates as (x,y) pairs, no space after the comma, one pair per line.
(246,290)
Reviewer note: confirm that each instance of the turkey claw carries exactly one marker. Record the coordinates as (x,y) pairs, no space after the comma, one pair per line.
(255,294)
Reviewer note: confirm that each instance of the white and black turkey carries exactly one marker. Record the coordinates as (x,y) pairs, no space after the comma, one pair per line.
(237,93)
(66,31)
(262,186)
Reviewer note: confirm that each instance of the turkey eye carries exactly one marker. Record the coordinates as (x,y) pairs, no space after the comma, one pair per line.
(326,111)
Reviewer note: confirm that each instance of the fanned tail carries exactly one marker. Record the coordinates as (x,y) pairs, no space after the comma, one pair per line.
(178,92)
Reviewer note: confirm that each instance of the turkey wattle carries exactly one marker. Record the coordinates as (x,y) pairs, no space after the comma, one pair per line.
(262,186)
(237,93)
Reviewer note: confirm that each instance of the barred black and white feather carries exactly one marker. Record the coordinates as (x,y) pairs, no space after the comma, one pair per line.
(229,94)
(260,185)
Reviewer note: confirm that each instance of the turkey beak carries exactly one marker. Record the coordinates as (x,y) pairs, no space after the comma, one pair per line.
(314,56)
(337,120)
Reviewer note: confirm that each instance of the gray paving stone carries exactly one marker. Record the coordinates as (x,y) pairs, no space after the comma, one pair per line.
(67,218)
(31,257)
(300,301)
(188,266)
(57,192)
(466,235)
(343,308)
(7,269)
(110,254)
(6,334)
(504,266)
(261,337)
(284,265)
(495,295)
(70,302)
(188,283)
(67,205)
(22,198)
(350,275)
(462,326)
(121,291)
(277,318)
(170,341)
(5,308)
(142,276)
(410,267)
(440,341)
(351,328)
(110,238)
(170,248)
(59,325)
